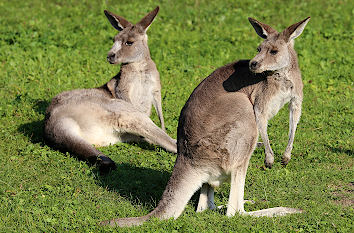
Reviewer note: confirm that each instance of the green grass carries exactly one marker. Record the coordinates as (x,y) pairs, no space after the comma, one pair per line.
(47,47)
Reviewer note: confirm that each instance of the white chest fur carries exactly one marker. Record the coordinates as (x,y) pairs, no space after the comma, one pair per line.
(140,92)
(279,99)
(277,102)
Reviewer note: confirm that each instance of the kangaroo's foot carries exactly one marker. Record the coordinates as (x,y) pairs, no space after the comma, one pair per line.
(269,159)
(105,164)
(286,159)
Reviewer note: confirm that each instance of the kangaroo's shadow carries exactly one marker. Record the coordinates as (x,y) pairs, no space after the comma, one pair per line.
(34,130)
(242,77)
(349,152)
(137,184)
(143,186)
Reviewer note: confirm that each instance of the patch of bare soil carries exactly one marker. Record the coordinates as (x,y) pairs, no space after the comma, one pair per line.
(345,194)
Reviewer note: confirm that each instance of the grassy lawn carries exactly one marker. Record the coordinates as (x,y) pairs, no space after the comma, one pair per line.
(47,47)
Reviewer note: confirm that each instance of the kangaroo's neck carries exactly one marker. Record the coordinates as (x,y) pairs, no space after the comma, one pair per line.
(121,84)
(141,66)
(135,83)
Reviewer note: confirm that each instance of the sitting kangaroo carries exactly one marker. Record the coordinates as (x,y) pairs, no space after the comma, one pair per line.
(217,130)
(119,110)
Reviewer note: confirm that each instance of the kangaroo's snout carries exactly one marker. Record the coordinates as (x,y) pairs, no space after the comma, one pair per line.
(111,57)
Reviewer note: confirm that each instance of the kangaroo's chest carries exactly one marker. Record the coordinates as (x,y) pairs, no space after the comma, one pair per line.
(282,94)
(141,90)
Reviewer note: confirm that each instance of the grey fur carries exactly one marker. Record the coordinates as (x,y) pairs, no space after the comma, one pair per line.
(119,110)
(287,84)
(217,133)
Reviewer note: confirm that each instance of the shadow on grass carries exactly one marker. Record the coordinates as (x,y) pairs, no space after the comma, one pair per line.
(34,130)
(144,145)
(341,150)
(143,186)
(139,185)
(41,105)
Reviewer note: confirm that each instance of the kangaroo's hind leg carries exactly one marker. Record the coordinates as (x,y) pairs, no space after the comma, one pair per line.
(206,198)
(138,123)
(64,134)
(236,203)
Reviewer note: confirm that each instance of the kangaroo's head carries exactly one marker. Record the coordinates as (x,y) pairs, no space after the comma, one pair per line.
(130,45)
(275,52)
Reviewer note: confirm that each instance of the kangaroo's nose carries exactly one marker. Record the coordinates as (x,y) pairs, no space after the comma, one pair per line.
(254,65)
(110,57)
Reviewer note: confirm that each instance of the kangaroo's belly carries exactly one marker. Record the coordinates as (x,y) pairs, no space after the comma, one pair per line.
(97,123)
(277,102)
(100,134)
(93,125)
(217,179)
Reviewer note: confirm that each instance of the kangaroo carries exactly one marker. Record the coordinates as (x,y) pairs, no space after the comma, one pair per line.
(119,110)
(280,59)
(218,126)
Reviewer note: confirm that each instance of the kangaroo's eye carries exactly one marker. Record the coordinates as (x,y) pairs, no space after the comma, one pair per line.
(273,52)
(259,49)
(129,43)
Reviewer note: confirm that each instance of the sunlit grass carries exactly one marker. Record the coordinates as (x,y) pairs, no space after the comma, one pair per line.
(47,47)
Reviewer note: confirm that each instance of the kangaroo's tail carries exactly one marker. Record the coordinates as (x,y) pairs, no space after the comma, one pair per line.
(274,212)
(184,182)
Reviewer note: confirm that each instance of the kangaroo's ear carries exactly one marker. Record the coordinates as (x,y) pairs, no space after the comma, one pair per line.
(117,21)
(263,30)
(145,22)
(295,30)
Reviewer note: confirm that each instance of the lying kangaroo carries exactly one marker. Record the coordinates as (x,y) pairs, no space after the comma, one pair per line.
(217,130)
(119,110)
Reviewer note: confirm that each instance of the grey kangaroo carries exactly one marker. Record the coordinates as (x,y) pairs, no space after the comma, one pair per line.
(278,58)
(218,126)
(119,110)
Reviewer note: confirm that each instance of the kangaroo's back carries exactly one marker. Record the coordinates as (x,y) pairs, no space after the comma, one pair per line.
(216,102)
